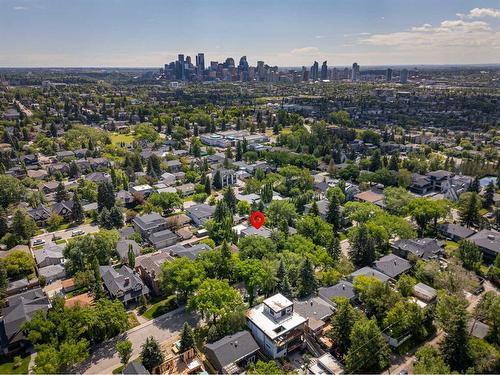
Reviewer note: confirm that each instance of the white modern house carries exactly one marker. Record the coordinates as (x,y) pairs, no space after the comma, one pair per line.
(276,327)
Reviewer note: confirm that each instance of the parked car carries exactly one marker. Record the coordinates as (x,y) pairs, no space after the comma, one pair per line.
(78,232)
(38,242)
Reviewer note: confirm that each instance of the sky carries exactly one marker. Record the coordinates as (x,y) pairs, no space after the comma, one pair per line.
(150,33)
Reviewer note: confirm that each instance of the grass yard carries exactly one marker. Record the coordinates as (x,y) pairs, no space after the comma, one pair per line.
(160,308)
(132,320)
(117,138)
(8,367)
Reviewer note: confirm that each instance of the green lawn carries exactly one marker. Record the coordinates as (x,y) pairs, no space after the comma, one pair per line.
(121,138)
(8,367)
(132,320)
(342,236)
(160,308)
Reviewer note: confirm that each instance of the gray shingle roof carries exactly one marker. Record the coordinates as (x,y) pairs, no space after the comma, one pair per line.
(455,230)
(368,271)
(231,349)
(342,289)
(425,248)
(123,284)
(392,265)
(122,248)
(487,240)
(135,368)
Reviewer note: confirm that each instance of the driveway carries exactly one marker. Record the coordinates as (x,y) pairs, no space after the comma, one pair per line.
(104,358)
(65,234)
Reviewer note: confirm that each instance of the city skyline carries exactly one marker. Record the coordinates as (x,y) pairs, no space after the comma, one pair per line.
(122,33)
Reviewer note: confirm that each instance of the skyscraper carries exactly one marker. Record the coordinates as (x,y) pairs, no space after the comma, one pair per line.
(314,71)
(388,75)
(355,72)
(180,67)
(200,63)
(324,71)
(403,76)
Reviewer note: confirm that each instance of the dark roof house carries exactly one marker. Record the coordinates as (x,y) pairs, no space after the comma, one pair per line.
(392,265)
(123,284)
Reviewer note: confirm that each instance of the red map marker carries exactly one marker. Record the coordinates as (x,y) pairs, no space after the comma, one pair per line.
(257,219)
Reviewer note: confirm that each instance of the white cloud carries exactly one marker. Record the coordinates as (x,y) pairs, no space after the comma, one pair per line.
(320,36)
(484,12)
(305,51)
(20,8)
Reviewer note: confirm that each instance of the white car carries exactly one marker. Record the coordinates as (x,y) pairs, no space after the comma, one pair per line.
(38,242)
(78,232)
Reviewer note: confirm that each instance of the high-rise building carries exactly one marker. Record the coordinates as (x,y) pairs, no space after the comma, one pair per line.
(314,71)
(403,76)
(355,72)
(324,71)
(200,63)
(180,68)
(388,75)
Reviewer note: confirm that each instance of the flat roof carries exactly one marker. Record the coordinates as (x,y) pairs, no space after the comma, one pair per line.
(278,302)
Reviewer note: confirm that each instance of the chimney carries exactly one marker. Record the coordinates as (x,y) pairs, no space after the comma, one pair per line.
(343,286)
(236,344)
(491,237)
(126,281)
(311,303)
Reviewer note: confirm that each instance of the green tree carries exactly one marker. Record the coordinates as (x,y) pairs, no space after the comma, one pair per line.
(131,256)
(281,211)
(470,255)
(217,180)
(18,264)
(362,247)
(425,211)
(151,354)
(214,299)
(308,283)
(124,349)
(11,190)
(77,214)
(489,195)
(116,217)
(334,215)
(61,193)
(429,361)
(181,276)
(23,226)
(342,322)
(105,195)
(469,206)
(396,199)
(362,357)
(208,188)
(256,247)
(188,340)
(266,368)
(230,198)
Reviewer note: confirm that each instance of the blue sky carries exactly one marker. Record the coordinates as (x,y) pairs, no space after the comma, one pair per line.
(148,33)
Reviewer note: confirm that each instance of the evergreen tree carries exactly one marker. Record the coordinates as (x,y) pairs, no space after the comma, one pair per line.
(74,170)
(475,186)
(217,180)
(244,145)
(314,211)
(375,161)
(208,188)
(281,271)
(394,162)
(342,322)
(469,211)
(455,348)
(230,199)
(61,193)
(116,217)
(308,283)
(97,289)
(285,288)
(362,247)
(3,223)
(77,214)
(266,194)
(239,152)
(188,340)
(104,219)
(151,354)
(131,256)
(489,195)
(470,255)
(105,195)
(334,249)
(333,216)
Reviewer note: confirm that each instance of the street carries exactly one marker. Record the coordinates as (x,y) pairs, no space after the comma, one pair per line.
(66,234)
(104,358)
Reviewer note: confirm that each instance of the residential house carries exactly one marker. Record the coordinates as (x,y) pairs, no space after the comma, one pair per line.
(323,206)
(420,185)
(455,232)
(40,214)
(317,312)
(455,186)
(123,246)
(98,177)
(200,213)
(174,166)
(64,209)
(369,272)
(228,176)
(325,364)
(61,155)
(424,292)
(437,178)
(135,368)
(149,268)
(163,238)
(343,288)
(276,327)
(49,187)
(168,178)
(37,174)
(392,265)
(19,309)
(424,248)
(149,223)
(52,273)
(252,231)
(142,191)
(125,196)
(232,354)
(99,163)
(375,196)
(190,252)
(488,242)
(123,284)
(185,189)
(49,255)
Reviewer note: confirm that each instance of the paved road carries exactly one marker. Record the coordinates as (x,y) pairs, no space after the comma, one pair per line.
(105,359)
